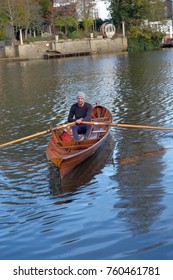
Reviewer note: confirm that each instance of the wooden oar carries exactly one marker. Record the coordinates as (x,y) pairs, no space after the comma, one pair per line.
(129,125)
(35,135)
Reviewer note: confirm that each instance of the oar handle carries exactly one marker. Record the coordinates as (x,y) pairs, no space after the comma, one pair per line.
(97,123)
(62,126)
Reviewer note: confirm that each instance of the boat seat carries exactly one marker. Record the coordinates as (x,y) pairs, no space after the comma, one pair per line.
(93,136)
(98,131)
(100,119)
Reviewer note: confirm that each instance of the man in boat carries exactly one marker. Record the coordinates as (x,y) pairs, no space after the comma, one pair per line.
(80,111)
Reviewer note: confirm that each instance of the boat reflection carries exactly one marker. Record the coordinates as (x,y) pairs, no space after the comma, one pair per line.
(83,174)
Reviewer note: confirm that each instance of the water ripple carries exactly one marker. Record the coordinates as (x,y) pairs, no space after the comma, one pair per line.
(117,204)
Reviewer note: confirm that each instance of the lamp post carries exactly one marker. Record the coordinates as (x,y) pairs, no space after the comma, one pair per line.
(123,27)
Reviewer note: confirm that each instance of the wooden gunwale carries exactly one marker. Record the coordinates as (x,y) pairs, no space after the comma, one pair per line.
(91,147)
(78,157)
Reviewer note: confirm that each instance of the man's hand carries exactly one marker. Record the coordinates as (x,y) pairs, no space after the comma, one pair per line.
(79,121)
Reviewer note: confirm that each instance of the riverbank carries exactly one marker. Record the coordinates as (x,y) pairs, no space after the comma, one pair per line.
(37,50)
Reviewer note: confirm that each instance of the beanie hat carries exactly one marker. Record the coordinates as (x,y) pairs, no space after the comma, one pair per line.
(81,94)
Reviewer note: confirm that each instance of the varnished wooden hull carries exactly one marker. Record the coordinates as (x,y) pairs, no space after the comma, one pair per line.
(67,154)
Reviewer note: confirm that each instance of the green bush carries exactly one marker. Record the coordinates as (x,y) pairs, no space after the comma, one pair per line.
(77,34)
(36,39)
(144,39)
(2,35)
(74,35)
(62,35)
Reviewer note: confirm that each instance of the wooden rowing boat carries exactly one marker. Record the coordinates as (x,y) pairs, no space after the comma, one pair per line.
(66,153)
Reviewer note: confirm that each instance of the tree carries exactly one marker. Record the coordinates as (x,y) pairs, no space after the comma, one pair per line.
(66,22)
(65,16)
(3,22)
(21,14)
(46,11)
(156,11)
(86,12)
(8,9)
(87,21)
(28,15)
(135,12)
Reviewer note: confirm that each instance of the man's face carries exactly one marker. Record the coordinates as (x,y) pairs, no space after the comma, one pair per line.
(80,101)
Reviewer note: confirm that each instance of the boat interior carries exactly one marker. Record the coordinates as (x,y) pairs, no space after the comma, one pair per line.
(63,139)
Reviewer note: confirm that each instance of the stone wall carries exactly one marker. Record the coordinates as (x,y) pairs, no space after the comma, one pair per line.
(2,52)
(38,49)
(71,46)
(33,50)
(109,45)
(11,52)
(100,45)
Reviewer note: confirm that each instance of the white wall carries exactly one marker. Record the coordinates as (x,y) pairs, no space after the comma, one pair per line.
(101,7)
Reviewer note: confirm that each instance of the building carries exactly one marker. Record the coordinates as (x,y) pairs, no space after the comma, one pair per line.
(98,10)
(101,9)
(165,26)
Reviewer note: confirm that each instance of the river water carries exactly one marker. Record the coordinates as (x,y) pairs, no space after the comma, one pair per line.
(117,204)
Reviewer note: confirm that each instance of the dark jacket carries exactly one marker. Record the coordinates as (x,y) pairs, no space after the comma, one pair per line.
(77,112)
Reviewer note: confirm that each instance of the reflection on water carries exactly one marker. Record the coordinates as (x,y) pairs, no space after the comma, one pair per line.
(118,203)
(139,176)
(126,160)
